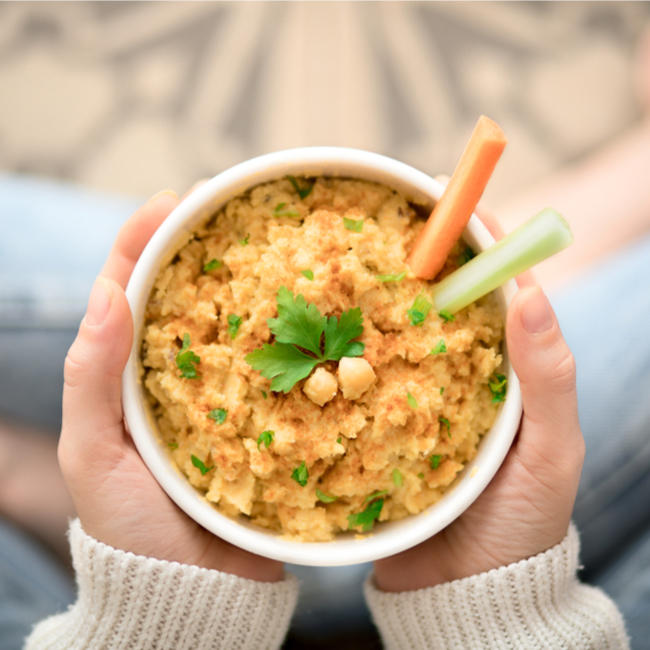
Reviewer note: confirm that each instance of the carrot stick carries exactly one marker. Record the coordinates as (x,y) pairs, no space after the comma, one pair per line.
(452,212)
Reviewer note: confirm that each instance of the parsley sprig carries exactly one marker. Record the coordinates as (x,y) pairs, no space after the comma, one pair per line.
(419,310)
(300,475)
(265,438)
(391,277)
(281,211)
(497,386)
(298,327)
(234,323)
(186,360)
(366,518)
(303,192)
(440,347)
(325,498)
(218,415)
(353,224)
(212,265)
(200,465)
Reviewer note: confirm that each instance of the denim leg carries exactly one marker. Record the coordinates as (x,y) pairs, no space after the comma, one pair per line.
(32,586)
(627,581)
(604,316)
(31,374)
(55,238)
(331,601)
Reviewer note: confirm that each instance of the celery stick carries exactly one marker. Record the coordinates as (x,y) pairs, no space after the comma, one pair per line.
(538,238)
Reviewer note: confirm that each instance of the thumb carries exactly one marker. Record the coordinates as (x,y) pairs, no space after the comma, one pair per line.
(546,370)
(92,409)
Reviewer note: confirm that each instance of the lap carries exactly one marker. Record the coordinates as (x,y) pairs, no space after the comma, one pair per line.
(32,586)
(604,316)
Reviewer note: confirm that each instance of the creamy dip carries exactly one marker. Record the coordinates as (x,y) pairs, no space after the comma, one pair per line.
(379,440)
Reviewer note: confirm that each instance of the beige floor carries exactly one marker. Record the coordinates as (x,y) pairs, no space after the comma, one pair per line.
(134,97)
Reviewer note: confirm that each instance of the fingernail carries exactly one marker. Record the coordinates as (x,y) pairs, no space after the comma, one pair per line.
(99,302)
(536,312)
(162,193)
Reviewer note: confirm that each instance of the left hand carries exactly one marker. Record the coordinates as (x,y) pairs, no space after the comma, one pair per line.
(117,499)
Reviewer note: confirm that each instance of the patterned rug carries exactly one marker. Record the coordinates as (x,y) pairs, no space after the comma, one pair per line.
(132,97)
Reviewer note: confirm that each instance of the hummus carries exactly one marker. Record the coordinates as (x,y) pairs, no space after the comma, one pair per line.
(378,436)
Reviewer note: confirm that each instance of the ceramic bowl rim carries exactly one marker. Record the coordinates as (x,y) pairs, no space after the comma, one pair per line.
(387,538)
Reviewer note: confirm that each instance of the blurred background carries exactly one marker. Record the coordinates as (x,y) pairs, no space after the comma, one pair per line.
(132,97)
(103,104)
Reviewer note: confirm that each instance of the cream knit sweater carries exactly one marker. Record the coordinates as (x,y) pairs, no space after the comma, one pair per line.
(132,602)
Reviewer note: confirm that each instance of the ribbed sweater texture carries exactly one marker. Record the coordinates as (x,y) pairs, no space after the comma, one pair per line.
(130,601)
(533,604)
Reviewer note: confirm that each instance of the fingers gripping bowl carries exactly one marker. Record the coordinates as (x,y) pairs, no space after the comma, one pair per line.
(346,547)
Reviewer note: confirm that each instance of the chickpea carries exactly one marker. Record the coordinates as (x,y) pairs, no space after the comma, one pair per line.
(321,386)
(355,376)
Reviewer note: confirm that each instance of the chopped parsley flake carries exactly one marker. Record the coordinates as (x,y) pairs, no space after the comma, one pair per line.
(303,192)
(411,400)
(324,498)
(366,519)
(172,445)
(234,323)
(200,465)
(391,277)
(440,348)
(353,225)
(186,360)
(445,421)
(442,389)
(309,274)
(497,386)
(212,265)
(434,461)
(375,495)
(301,325)
(398,479)
(265,438)
(300,475)
(339,439)
(244,242)
(281,212)
(264,395)
(446,316)
(218,415)
(419,310)
(421,475)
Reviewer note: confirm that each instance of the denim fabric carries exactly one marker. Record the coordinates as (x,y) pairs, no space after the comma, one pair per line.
(32,586)
(44,284)
(604,316)
(627,581)
(55,238)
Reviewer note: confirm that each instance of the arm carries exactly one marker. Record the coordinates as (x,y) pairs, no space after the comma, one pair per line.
(504,573)
(139,558)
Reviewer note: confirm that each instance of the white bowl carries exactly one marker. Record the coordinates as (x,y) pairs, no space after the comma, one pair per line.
(387,538)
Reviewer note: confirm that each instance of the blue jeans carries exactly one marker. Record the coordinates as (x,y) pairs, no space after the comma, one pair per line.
(61,235)
(604,316)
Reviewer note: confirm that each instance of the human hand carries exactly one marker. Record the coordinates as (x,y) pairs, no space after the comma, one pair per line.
(526,509)
(117,499)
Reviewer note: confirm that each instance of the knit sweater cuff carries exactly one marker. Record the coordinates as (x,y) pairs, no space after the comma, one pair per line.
(130,601)
(534,603)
